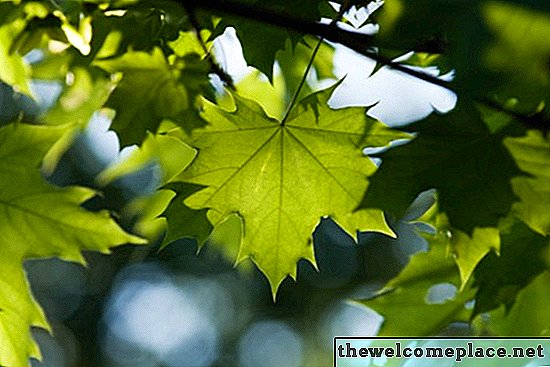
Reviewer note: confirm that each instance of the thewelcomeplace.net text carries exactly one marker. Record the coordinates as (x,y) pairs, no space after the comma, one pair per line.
(459,353)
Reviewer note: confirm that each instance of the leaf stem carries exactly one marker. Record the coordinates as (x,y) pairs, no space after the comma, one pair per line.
(302,82)
(346,5)
(56,5)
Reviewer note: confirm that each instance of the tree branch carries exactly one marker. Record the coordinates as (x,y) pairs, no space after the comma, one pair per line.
(355,41)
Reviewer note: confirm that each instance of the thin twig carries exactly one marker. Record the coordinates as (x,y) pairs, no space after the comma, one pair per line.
(55,4)
(216,69)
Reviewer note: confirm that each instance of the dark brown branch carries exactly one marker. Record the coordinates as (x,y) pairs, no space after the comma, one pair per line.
(355,41)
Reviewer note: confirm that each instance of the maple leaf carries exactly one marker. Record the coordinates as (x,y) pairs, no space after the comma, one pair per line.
(409,292)
(79,101)
(185,222)
(281,177)
(520,61)
(493,53)
(500,277)
(151,89)
(172,155)
(529,315)
(470,251)
(169,152)
(38,220)
(532,155)
(457,155)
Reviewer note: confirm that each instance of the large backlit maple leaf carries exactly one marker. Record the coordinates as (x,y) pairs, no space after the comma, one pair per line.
(281,177)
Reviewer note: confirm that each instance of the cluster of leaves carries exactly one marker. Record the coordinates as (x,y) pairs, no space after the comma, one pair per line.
(486,159)
(271,158)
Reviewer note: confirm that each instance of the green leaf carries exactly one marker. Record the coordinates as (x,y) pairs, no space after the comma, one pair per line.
(428,268)
(226,237)
(274,96)
(454,28)
(497,120)
(8,12)
(492,51)
(151,90)
(404,300)
(182,221)
(519,52)
(142,26)
(13,70)
(529,315)
(270,95)
(282,177)
(145,215)
(469,251)
(80,100)
(458,156)
(38,220)
(170,153)
(500,277)
(532,155)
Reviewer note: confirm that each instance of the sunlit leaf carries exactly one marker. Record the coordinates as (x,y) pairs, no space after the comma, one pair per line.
(13,70)
(38,220)
(469,251)
(170,153)
(529,315)
(408,294)
(532,154)
(155,92)
(500,277)
(282,177)
(80,99)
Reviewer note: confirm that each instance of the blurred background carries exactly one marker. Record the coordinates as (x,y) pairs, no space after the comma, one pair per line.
(176,307)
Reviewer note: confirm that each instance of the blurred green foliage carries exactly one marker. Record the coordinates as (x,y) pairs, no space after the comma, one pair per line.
(202,174)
